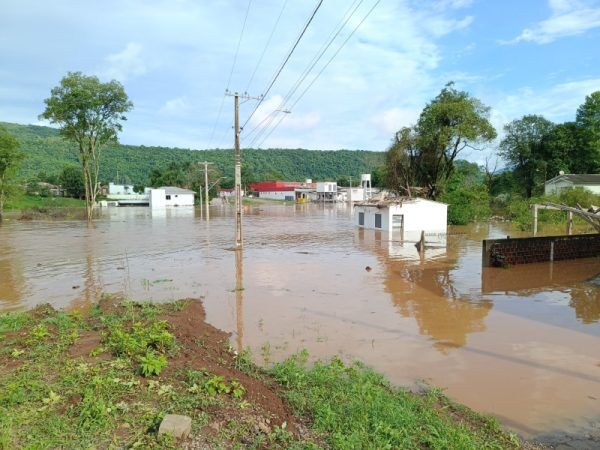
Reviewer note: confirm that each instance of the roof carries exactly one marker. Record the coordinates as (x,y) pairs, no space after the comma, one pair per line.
(385,203)
(172,190)
(577,178)
(278,186)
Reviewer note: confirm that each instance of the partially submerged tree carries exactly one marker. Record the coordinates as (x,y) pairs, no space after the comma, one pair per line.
(89,114)
(424,155)
(10,157)
(523,147)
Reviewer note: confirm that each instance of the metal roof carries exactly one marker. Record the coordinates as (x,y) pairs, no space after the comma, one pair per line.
(576,178)
(172,190)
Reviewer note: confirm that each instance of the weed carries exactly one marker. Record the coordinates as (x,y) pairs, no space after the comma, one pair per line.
(152,364)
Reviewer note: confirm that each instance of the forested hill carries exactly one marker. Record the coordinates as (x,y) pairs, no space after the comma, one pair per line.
(47,152)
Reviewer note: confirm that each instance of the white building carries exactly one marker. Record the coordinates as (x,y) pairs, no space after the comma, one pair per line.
(171,196)
(327,191)
(120,189)
(407,216)
(591,182)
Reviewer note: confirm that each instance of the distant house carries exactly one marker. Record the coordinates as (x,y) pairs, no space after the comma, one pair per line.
(278,190)
(327,191)
(228,192)
(120,189)
(171,196)
(406,216)
(591,182)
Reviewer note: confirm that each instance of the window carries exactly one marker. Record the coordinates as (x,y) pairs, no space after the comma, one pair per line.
(168,197)
(361,219)
(377,220)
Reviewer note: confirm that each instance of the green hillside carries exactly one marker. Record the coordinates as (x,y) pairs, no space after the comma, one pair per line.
(49,153)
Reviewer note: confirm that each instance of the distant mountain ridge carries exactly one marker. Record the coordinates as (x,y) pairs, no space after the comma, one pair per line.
(47,152)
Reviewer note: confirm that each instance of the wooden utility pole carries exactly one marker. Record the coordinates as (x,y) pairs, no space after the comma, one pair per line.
(238,167)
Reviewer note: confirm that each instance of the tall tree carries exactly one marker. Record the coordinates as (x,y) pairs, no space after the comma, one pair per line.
(10,157)
(588,120)
(89,114)
(425,153)
(71,180)
(523,148)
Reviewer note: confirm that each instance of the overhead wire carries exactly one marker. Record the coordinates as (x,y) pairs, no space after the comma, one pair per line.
(328,42)
(237,50)
(262,55)
(322,70)
(285,61)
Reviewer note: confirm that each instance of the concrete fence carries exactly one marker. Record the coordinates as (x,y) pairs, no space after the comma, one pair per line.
(513,251)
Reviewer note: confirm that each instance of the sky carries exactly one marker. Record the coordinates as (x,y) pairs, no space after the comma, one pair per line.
(176,58)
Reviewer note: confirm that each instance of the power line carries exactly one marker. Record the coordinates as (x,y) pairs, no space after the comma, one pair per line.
(266,45)
(322,69)
(287,58)
(237,50)
(330,39)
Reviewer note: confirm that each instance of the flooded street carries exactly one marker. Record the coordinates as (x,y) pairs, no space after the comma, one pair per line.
(520,343)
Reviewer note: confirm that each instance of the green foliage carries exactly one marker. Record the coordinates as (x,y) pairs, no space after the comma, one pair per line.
(10,158)
(71,180)
(424,155)
(89,114)
(139,338)
(152,364)
(467,195)
(576,196)
(46,151)
(357,408)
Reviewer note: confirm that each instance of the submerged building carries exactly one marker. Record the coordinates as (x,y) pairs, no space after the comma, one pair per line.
(408,216)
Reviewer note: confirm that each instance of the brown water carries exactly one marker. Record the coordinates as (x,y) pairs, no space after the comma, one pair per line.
(521,343)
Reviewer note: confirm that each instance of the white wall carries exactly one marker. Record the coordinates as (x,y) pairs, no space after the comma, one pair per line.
(556,187)
(420,215)
(120,189)
(326,186)
(179,200)
(277,195)
(157,198)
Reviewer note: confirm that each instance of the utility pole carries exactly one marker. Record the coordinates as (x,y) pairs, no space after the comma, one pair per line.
(206,188)
(238,167)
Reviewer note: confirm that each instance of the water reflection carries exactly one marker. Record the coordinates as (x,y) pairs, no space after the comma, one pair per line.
(421,286)
(12,279)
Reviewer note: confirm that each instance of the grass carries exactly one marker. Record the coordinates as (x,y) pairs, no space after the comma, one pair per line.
(22,201)
(355,408)
(116,393)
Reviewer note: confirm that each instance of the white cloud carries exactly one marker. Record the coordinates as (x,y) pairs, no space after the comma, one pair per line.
(126,64)
(391,120)
(176,107)
(569,18)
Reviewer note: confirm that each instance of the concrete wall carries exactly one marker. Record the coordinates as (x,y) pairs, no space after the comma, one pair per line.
(508,252)
(419,215)
(556,187)
(157,198)
(179,200)
(277,195)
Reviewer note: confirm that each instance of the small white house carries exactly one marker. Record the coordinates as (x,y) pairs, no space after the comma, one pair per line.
(408,216)
(327,191)
(120,189)
(591,182)
(171,196)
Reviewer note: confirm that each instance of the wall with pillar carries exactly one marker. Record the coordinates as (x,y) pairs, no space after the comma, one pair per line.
(513,251)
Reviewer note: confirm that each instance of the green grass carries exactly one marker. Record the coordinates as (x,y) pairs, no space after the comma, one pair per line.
(355,408)
(116,395)
(23,201)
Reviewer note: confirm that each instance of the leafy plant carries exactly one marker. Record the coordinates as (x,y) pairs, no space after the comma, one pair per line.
(152,364)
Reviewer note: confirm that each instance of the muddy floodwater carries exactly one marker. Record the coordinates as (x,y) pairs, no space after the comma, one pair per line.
(521,343)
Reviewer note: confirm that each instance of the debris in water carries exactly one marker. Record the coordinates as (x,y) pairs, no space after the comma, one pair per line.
(368,268)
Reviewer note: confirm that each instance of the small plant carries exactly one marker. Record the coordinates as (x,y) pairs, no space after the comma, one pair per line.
(216,385)
(16,353)
(39,332)
(237,390)
(151,364)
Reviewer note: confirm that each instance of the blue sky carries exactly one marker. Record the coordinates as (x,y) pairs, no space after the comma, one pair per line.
(174,58)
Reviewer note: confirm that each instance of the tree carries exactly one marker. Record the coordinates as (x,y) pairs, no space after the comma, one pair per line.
(71,180)
(588,120)
(523,148)
(10,157)
(424,155)
(89,114)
